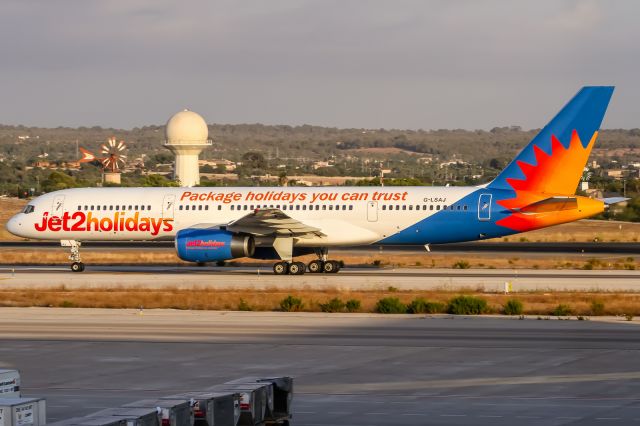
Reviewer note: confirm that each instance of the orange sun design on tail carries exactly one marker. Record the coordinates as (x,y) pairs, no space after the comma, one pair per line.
(555,174)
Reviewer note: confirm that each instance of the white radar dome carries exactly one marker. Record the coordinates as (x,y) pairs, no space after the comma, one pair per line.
(186,128)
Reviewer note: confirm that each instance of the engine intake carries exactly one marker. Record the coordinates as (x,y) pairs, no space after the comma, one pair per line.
(212,245)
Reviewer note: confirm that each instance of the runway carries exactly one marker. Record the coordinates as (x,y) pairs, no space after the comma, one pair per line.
(355,369)
(478,247)
(156,277)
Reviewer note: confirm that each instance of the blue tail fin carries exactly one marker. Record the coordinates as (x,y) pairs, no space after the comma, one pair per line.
(553,161)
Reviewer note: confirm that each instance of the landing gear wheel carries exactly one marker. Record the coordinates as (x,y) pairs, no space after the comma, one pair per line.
(77,267)
(316,266)
(281,268)
(331,267)
(297,268)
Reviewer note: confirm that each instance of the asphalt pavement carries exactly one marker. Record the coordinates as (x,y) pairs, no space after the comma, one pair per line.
(356,369)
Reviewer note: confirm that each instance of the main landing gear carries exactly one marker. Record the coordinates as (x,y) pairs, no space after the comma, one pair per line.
(321,265)
(77,265)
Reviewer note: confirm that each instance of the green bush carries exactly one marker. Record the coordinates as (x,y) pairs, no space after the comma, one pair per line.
(421,306)
(597,307)
(461,264)
(333,305)
(244,306)
(67,304)
(561,310)
(352,305)
(390,305)
(291,304)
(513,307)
(467,305)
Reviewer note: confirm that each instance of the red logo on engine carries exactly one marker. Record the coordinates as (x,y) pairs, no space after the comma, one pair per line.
(205,244)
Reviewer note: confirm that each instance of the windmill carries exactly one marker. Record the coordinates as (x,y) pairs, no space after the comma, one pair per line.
(112,161)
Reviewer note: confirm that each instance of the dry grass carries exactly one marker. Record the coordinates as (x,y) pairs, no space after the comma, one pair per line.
(581,231)
(535,303)
(9,207)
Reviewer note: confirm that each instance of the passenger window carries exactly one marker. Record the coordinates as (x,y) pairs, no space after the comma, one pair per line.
(410,207)
(304,207)
(206,207)
(111,207)
(324,207)
(135,207)
(142,208)
(97,207)
(148,207)
(430,206)
(424,207)
(180,208)
(351,207)
(231,207)
(330,207)
(92,208)
(344,207)
(384,207)
(465,208)
(219,207)
(200,207)
(79,207)
(438,207)
(297,206)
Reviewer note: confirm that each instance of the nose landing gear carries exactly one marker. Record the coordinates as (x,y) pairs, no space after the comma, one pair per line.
(77,265)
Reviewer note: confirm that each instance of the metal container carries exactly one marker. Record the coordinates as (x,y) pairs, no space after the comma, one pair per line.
(253,400)
(132,416)
(212,408)
(9,383)
(280,395)
(172,412)
(23,411)
(91,421)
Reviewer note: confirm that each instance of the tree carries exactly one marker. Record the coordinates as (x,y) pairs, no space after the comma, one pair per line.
(57,181)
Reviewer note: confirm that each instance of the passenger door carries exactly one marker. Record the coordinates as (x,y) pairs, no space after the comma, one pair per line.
(168,205)
(57,208)
(484,207)
(372,211)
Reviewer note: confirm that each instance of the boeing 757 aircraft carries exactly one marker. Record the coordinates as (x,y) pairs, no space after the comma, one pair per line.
(537,189)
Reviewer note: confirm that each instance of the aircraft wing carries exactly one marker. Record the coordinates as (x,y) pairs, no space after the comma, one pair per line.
(272,222)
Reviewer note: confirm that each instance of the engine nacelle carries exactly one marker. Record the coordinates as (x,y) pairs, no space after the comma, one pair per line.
(212,245)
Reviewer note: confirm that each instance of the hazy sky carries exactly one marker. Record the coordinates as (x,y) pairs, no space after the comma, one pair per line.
(345,63)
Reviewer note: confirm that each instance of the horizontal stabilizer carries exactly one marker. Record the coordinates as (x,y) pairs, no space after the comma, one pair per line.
(613,200)
(551,204)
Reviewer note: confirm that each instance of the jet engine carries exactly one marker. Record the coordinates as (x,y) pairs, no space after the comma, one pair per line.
(212,245)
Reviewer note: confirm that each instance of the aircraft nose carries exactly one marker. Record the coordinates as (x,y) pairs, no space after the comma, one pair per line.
(14,225)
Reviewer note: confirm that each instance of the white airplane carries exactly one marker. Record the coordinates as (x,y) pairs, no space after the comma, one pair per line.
(216,224)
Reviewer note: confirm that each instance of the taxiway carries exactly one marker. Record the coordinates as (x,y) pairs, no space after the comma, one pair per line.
(97,276)
(354,369)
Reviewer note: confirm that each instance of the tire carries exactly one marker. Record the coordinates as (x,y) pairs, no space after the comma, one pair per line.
(294,268)
(315,266)
(77,267)
(297,268)
(280,268)
(331,267)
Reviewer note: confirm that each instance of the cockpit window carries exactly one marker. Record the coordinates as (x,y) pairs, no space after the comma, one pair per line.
(28,209)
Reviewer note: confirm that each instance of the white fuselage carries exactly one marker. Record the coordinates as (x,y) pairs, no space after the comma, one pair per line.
(345,215)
